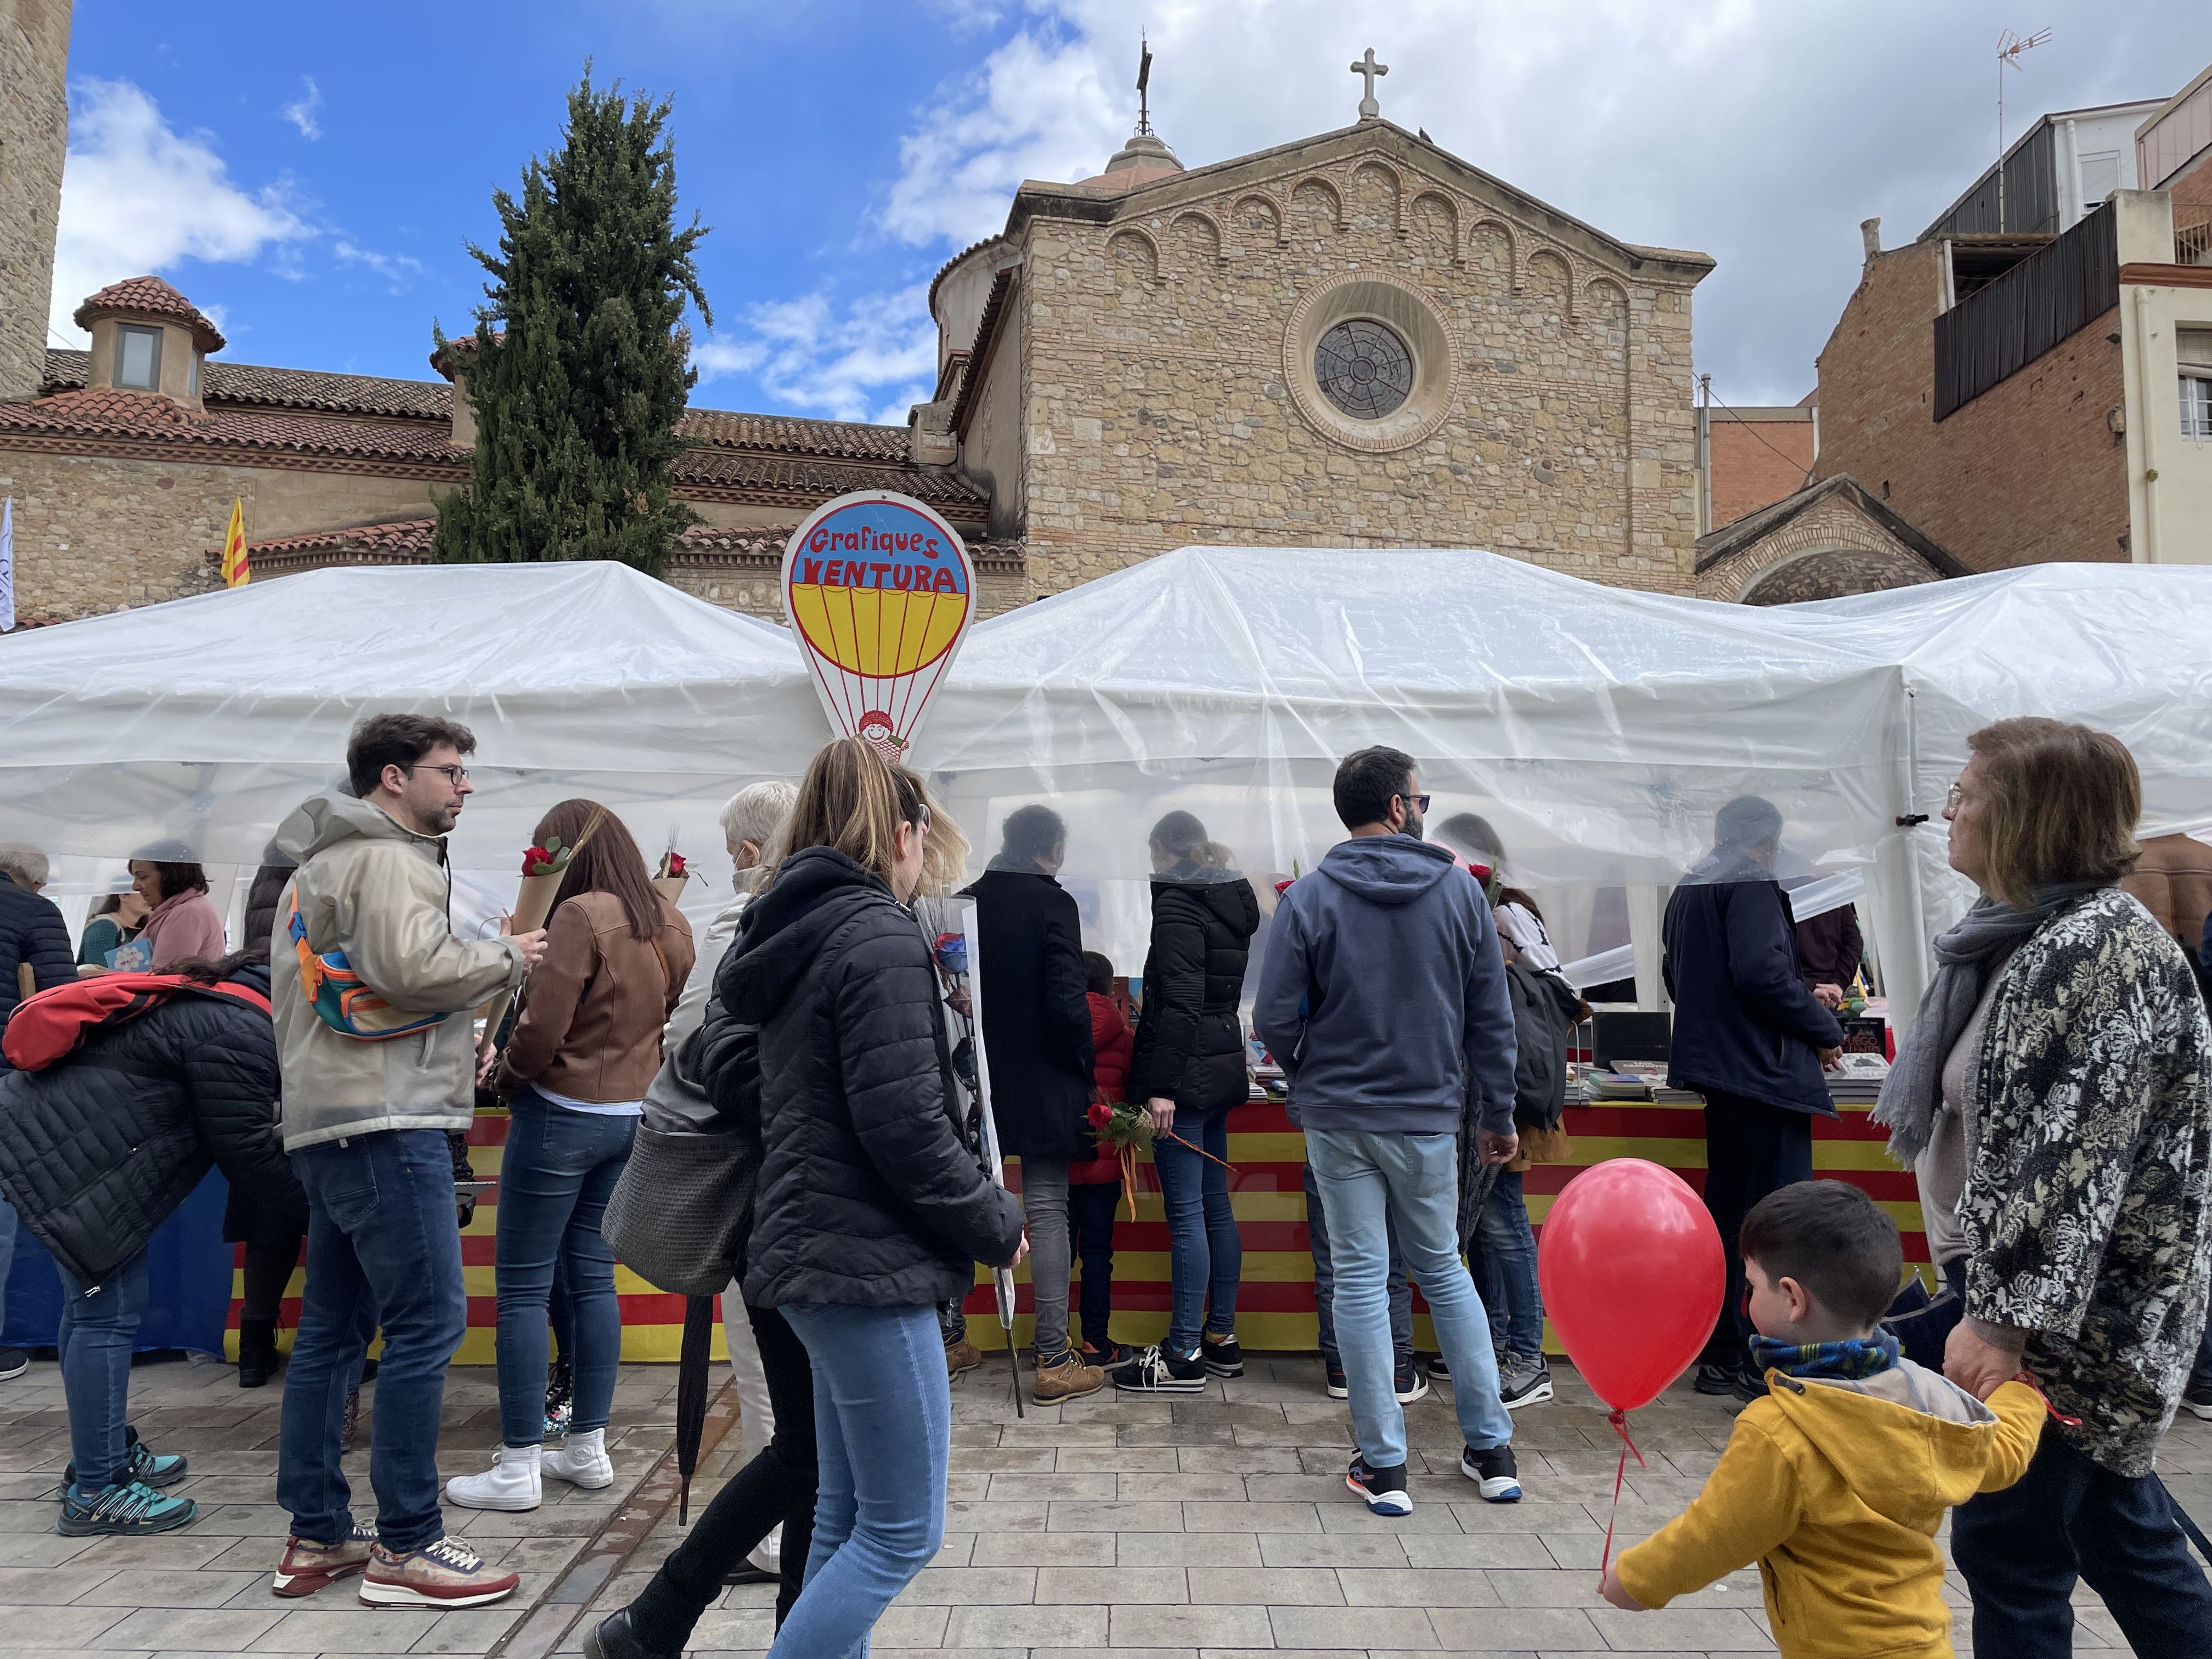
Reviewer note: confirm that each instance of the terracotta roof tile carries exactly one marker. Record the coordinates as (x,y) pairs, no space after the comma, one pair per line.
(286,388)
(112,414)
(407,541)
(791,434)
(737,469)
(149,296)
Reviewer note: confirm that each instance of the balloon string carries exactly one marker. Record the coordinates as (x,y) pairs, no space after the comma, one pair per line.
(2057,1416)
(1620,1421)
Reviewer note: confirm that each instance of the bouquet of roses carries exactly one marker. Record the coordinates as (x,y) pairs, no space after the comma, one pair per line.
(1124,1127)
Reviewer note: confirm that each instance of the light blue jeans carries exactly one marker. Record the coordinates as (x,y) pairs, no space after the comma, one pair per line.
(1373,1183)
(883,1436)
(98,1324)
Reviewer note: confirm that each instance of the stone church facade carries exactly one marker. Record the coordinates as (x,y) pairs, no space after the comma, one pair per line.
(1356,340)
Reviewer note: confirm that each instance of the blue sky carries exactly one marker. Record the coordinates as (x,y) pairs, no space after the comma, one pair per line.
(310,174)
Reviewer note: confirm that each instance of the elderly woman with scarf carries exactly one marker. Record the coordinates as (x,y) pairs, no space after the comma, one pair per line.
(2053,1093)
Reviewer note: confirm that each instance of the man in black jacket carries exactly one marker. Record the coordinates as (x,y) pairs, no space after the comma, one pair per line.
(1036,1037)
(1752,1039)
(34,945)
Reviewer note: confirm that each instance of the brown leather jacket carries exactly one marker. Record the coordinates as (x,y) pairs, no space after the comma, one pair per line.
(593,1010)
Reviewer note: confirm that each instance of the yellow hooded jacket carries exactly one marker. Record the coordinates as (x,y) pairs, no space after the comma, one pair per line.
(1836,1488)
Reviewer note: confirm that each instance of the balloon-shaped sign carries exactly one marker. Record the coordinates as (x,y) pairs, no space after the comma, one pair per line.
(1632,1277)
(880,592)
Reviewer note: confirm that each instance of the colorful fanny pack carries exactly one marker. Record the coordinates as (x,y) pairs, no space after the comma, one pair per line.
(339,997)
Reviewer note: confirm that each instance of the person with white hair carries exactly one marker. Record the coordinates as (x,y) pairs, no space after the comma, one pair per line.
(752,819)
(34,954)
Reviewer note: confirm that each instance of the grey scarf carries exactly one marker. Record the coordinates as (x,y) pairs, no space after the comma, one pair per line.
(1964,958)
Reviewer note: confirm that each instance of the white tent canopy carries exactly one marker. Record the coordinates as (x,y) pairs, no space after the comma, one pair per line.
(1597,729)
(197,724)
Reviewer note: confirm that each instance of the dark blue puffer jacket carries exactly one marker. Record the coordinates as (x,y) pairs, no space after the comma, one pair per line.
(1744,1023)
(31,931)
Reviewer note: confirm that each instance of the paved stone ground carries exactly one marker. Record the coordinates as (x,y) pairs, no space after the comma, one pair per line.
(1204,1527)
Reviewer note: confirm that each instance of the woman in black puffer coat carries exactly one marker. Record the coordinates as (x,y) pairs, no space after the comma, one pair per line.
(872,1209)
(1188,1063)
(96,1151)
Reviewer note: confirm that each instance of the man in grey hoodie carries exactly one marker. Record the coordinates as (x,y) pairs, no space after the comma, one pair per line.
(1384,1001)
(365,1117)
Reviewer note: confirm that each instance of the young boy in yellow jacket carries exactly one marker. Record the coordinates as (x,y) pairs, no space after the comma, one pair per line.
(1836,1481)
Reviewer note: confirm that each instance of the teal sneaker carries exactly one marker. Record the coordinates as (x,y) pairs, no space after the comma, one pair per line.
(147,1468)
(121,1511)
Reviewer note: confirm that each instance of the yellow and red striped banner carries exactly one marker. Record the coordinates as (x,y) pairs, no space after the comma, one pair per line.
(1275,1298)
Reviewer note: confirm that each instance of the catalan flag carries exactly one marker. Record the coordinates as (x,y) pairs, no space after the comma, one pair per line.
(237,568)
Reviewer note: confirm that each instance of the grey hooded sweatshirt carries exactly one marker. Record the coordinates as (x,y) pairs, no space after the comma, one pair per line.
(1384,993)
(382,893)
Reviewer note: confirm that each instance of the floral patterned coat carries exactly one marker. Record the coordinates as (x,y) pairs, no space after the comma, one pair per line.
(2089,1192)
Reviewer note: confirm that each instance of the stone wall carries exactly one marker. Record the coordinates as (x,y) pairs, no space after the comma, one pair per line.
(2026,472)
(33,134)
(98,533)
(1830,549)
(1159,410)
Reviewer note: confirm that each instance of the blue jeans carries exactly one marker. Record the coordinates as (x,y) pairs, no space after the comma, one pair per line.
(1371,1181)
(2021,1550)
(554,1178)
(1401,1291)
(1505,1258)
(1205,1257)
(883,1436)
(7,1256)
(383,1242)
(97,1324)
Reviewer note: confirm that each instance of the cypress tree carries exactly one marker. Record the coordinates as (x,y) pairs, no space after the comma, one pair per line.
(578,367)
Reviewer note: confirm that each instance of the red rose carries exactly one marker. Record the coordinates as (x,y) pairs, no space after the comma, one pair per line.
(536,860)
(675,863)
(1101,1114)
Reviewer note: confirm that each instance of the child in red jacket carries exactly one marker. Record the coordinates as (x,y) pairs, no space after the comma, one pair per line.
(1094,1190)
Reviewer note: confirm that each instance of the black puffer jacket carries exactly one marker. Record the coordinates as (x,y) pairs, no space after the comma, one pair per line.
(868,1195)
(98,1150)
(31,931)
(1036,1019)
(1190,1044)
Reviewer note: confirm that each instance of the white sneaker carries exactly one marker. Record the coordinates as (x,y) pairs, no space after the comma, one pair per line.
(511,1483)
(583,1461)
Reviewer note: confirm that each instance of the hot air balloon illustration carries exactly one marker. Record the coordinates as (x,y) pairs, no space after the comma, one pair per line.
(880,592)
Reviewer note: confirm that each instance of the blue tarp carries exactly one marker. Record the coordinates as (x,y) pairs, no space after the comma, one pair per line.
(188,1290)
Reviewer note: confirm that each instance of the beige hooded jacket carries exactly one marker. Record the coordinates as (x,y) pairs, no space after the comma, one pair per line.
(382,895)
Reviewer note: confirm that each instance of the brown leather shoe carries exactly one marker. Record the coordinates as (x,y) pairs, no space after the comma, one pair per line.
(1071,1379)
(962,1357)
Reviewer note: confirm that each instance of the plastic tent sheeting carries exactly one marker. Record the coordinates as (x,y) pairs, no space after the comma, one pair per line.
(2102,644)
(197,724)
(1596,729)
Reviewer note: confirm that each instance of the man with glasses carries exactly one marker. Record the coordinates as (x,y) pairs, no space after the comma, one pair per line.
(1384,1001)
(1751,1037)
(370,1093)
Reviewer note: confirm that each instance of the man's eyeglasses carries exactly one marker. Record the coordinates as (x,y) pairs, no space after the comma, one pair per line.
(456,775)
(1419,803)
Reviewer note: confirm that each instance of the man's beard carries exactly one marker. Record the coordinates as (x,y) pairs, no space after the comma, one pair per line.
(439,820)
(1414,822)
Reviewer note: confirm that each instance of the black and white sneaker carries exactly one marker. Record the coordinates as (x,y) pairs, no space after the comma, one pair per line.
(13,1362)
(1439,1371)
(1525,1382)
(1715,1379)
(1384,1490)
(1334,1369)
(1221,1356)
(1494,1472)
(2196,1400)
(1156,1371)
(1408,1381)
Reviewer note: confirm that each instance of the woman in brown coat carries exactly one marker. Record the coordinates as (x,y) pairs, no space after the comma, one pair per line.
(584,1045)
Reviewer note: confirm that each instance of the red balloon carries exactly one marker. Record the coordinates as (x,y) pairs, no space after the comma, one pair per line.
(1632,1274)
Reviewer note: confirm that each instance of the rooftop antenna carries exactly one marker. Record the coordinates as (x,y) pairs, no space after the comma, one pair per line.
(1144,83)
(2010,44)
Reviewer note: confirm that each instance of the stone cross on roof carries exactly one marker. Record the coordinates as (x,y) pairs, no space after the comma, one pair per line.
(1369,109)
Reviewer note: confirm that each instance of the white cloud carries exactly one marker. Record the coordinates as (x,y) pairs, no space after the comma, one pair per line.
(303,111)
(395,268)
(139,197)
(1761,134)
(867,360)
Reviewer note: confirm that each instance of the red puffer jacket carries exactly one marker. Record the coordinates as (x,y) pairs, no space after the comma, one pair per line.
(1110,1041)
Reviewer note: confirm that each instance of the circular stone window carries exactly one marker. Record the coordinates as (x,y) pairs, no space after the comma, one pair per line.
(1364,369)
(1369,363)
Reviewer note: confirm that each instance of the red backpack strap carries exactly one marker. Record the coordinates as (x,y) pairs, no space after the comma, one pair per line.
(54,1023)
